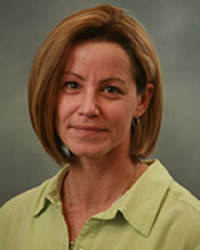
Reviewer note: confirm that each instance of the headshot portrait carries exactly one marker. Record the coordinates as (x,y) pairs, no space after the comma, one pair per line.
(100,144)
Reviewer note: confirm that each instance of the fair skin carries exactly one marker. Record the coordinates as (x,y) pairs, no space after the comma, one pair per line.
(96,104)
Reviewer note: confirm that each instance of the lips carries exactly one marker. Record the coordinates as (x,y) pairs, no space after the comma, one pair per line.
(88,129)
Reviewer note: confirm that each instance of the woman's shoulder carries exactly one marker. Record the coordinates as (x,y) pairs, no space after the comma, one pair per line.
(176,193)
(184,210)
(32,197)
(18,215)
(22,203)
(179,205)
(184,197)
(177,215)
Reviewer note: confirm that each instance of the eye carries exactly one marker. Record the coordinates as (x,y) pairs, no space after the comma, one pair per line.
(71,85)
(112,89)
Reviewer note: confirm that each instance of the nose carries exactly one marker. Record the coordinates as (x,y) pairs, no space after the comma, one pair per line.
(89,106)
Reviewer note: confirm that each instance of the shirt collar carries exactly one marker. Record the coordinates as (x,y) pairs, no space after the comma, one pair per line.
(142,202)
(49,192)
(139,205)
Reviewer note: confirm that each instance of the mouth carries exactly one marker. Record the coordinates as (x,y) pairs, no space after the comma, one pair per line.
(88,130)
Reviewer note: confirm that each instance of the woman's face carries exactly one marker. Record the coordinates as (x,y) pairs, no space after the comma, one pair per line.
(97,100)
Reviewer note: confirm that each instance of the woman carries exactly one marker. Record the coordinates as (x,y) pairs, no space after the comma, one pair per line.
(95,101)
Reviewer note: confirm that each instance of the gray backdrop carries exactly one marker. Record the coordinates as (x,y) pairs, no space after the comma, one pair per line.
(175,29)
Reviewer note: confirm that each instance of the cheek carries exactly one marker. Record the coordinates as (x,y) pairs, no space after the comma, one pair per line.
(59,111)
(64,107)
(123,112)
(120,118)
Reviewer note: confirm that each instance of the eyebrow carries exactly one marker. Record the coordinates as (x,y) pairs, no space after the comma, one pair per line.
(106,80)
(113,79)
(73,74)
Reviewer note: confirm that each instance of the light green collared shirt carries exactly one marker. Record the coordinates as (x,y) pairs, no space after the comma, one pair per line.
(155,214)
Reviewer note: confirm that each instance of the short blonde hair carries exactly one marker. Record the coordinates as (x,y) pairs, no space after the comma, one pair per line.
(101,23)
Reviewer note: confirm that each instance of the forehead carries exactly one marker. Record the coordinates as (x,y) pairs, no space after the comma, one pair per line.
(108,54)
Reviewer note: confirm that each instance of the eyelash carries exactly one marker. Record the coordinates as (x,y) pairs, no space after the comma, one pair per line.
(112,89)
(109,89)
(71,85)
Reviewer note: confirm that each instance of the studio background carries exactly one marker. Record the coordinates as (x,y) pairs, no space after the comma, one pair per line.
(174,27)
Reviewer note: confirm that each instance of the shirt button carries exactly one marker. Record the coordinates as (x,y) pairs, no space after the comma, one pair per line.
(80,248)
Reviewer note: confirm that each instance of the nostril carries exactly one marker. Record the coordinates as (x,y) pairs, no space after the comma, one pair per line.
(89,110)
(88,104)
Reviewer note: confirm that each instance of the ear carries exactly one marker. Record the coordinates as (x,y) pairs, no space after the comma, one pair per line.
(143,100)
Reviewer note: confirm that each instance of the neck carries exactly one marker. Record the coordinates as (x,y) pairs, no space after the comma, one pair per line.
(92,186)
(102,176)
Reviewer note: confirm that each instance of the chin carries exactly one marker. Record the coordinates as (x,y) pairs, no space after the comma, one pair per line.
(90,152)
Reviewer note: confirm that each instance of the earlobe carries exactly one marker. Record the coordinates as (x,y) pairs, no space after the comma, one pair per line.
(144,100)
(135,122)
